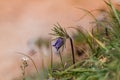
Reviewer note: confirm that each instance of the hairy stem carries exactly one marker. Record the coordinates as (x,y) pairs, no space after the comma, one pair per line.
(61,59)
(72,48)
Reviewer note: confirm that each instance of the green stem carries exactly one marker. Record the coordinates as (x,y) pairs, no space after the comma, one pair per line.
(51,56)
(72,48)
(61,59)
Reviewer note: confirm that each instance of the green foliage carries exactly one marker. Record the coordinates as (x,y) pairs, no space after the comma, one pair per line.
(59,31)
(103,60)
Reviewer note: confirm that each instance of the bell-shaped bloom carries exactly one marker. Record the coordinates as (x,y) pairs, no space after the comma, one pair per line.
(59,43)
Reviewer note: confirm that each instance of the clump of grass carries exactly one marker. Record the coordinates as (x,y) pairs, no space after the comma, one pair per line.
(103,56)
(104,51)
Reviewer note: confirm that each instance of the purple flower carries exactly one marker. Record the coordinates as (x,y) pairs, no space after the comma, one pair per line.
(59,43)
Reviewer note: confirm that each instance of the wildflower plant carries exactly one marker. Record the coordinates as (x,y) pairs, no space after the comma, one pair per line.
(61,37)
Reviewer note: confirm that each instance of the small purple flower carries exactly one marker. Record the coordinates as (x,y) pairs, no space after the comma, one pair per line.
(59,43)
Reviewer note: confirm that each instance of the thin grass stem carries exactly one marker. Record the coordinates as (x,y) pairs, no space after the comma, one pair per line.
(30,59)
(51,59)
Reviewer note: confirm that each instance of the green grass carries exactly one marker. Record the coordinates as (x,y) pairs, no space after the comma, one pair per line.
(103,59)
